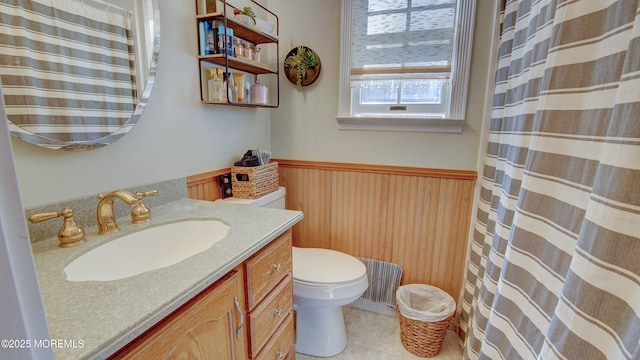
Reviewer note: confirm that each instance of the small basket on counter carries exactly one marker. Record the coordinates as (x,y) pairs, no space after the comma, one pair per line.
(255,181)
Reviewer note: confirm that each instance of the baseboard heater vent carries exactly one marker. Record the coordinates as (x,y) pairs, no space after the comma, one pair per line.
(384,279)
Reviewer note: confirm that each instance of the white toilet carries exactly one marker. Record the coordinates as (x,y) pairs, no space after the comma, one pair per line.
(323,281)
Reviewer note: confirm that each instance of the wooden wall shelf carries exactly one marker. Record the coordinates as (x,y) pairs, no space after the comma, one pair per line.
(229,63)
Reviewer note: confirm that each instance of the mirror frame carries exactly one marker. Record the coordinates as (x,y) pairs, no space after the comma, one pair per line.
(128,125)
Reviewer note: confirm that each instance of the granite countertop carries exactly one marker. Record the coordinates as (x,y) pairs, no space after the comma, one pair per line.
(97,318)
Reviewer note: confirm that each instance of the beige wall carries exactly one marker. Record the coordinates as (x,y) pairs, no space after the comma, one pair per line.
(304,127)
(175,137)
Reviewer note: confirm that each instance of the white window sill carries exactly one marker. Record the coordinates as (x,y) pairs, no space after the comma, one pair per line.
(414,124)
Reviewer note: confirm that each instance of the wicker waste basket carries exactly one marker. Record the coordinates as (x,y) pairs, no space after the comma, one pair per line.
(425,313)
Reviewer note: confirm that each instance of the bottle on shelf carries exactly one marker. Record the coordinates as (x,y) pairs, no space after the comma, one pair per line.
(237,46)
(221,40)
(233,89)
(223,89)
(247,92)
(211,39)
(238,82)
(202,38)
(229,41)
(224,40)
(206,38)
(259,93)
(214,84)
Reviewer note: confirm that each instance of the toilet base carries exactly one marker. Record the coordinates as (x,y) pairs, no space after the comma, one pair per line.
(320,331)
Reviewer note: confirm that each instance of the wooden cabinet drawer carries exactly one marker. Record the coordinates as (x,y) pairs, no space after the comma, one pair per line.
(281,344)
(268,268)
(267,317)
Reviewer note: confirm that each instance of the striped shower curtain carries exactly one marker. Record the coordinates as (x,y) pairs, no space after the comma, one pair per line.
(554,260)
(66,68)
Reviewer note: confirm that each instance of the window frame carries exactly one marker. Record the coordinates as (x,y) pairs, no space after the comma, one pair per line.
(411,109)
(454,118)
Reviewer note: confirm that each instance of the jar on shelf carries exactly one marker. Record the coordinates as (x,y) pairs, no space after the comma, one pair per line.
(237,46)
(247,51)
(256,53)
(259,93)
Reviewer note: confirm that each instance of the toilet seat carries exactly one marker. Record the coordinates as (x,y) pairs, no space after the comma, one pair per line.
(323,282)
(324,285)
(322,267)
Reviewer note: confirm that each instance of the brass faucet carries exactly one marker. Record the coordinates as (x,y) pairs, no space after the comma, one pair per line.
(106,217)
(70,233)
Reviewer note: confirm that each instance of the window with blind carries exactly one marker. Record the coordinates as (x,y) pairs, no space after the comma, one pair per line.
(405,64)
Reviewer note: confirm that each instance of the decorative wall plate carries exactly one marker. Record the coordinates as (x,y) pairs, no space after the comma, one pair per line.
(304,62)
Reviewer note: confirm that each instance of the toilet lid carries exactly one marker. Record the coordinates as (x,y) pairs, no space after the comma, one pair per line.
(324,266)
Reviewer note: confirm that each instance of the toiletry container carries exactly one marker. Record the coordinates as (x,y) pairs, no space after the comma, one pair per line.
(202,7)
(247,92)
(256,53)
(233,89)
(221,40)
(247,52)
(214,84)
(237,47)
(230,41)
(259,93)
(224,88)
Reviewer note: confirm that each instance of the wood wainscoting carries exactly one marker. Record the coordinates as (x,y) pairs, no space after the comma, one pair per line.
(205,186)
(418,218)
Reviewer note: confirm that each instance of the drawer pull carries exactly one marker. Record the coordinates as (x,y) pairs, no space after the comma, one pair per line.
(276,267)
(280,354)
(237,306)
(277,312)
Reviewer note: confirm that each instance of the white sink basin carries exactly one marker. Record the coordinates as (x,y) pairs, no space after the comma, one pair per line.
(150,249)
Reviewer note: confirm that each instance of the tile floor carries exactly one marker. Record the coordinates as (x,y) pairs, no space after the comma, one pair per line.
(383,343)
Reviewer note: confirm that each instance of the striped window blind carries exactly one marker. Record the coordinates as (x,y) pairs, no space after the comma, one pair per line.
(396,37)
(408,58)
(67,68)
(401,54)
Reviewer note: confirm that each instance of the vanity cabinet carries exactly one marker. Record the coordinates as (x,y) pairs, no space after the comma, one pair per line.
(269,287)
(209,326)
(258,293)
(264,70)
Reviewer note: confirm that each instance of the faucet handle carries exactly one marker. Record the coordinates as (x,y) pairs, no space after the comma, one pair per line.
(141,195)
(36,218)
(70,233)
(140,212)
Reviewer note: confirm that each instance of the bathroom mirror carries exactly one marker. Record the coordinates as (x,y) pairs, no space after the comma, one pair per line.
(103,81)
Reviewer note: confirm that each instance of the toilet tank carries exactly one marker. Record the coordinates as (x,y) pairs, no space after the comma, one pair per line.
(273,200)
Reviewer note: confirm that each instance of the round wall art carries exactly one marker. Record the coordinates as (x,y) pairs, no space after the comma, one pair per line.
(302,66)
